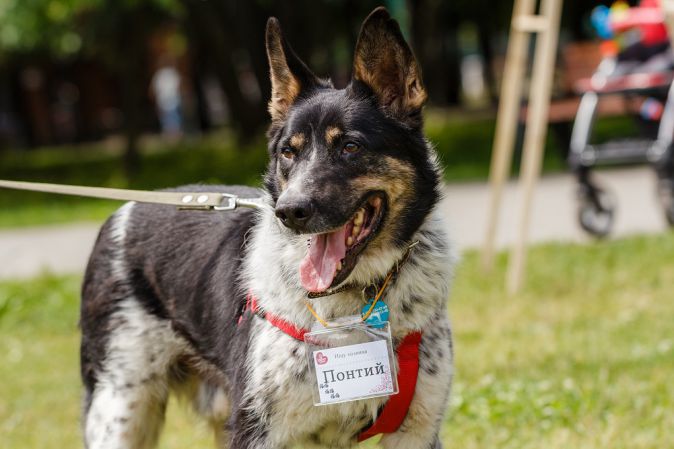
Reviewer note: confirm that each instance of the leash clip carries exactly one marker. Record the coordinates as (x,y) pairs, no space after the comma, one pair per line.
(228,202)
(231,202)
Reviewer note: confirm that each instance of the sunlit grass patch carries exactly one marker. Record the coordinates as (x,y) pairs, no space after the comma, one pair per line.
(582,358)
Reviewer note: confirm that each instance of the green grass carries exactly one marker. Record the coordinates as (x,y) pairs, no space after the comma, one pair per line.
(583,358)
(463,142)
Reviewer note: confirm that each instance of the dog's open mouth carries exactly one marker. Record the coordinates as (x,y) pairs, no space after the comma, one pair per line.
(333,255)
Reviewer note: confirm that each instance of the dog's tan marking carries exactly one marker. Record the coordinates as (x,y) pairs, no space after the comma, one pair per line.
(397,182)
(282,180)
(331,134)
(297,141)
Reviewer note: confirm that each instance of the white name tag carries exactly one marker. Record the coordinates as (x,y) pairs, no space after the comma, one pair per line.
(354,371)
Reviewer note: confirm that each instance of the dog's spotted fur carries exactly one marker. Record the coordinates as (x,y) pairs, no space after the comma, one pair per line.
(164,290)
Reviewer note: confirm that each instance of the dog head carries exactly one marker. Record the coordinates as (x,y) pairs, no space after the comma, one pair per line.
(349,167)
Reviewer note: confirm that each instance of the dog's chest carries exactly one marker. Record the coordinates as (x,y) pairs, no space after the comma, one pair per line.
(281,388)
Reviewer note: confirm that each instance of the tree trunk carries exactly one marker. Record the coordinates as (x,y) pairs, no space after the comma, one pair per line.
(435,39)
(217,38)
(488,55)
(131,63)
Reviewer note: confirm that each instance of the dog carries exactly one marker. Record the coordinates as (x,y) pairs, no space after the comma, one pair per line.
(352,184)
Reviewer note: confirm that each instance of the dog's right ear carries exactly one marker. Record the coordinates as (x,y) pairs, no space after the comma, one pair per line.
(385,63)
(289,75)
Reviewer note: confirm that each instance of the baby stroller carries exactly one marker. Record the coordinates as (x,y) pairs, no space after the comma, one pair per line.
(642,72)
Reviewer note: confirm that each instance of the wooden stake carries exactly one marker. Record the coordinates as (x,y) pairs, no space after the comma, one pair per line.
(535,134)
(506,121)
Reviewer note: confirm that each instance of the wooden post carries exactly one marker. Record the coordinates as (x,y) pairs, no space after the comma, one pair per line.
(506,121)
(546,26)
(535,134)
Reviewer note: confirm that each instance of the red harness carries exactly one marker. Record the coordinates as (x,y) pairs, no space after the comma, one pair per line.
(396,408)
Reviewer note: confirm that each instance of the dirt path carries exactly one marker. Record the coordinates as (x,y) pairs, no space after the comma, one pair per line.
(65,248)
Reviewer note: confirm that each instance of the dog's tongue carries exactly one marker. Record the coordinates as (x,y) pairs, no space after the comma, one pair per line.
(319,266)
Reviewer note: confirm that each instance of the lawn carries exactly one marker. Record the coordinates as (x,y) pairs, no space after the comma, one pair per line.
(463,142)
(583,358)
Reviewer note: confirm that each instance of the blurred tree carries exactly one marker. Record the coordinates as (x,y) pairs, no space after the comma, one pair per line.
(114,32)
(29,25)
(117,32)
(434,35)
(225,39)
(435,26)
(221,39)
(227,36)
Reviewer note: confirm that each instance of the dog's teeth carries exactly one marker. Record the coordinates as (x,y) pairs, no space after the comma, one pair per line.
(339,265)
(358,220)
(355,231)
(349,241)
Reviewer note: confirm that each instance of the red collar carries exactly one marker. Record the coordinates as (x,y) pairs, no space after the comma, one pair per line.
(395,410)
(276,321)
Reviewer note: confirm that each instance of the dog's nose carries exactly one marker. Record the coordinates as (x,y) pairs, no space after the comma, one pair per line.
(294,213)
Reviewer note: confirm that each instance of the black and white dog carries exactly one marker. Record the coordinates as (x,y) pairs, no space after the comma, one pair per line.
(351,183)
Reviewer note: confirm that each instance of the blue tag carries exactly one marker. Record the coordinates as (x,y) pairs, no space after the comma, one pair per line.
(379,315)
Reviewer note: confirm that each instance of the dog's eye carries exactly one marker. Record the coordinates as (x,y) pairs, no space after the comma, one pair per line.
(287,152)
(351,148)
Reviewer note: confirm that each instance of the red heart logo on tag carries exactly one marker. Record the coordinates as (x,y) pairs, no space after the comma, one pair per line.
(321,359)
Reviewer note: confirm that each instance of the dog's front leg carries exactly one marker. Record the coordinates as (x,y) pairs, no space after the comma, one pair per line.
(421,427)
(248,430)
(437,444)
(411,440)
(419,431)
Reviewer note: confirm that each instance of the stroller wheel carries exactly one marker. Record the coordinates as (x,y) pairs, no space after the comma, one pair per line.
(669,214)
(596,213)
(667,200)
(668,205)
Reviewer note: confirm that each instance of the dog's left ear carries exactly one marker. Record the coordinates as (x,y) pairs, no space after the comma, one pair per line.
(289,75)
(385,63)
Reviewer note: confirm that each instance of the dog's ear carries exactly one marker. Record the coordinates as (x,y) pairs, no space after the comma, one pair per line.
(385,63)
(289,75)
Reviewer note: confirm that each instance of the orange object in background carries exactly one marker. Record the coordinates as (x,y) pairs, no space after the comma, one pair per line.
(609,48)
